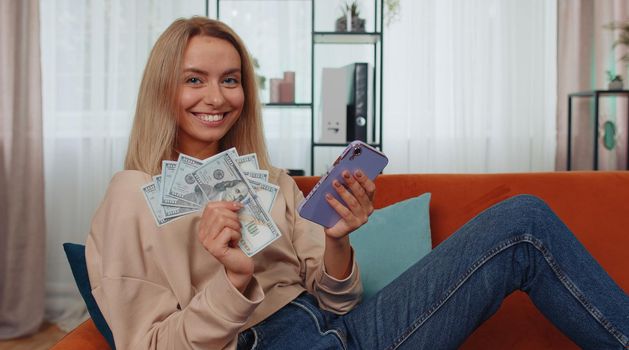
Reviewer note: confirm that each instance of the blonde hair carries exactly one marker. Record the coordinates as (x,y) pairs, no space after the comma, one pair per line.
(154,131)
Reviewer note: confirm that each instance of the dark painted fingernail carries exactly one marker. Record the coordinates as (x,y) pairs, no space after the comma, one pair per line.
(346,174)
(359,173)
(328,196)
(337,184)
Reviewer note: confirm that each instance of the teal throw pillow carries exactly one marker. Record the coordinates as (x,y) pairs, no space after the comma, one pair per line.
(76,258)
(394,238)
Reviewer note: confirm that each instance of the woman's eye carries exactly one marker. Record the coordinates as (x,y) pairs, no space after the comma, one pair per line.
(230,81)
(193,80)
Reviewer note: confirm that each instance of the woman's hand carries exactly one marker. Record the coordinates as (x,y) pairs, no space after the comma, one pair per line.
(219,232)
(358,194)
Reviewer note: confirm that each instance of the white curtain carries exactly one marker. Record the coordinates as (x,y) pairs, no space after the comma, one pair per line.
(469,86)
(93,56)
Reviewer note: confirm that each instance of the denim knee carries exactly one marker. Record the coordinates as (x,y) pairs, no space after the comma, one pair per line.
(522,214)
(527,203)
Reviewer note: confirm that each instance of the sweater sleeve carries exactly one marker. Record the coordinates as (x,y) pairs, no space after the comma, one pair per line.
(338,296)
(134,296)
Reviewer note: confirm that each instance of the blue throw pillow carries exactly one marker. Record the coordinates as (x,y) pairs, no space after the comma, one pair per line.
(394,238)
(76,257)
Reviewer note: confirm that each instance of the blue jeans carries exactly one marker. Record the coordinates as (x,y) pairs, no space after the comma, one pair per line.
(518,244)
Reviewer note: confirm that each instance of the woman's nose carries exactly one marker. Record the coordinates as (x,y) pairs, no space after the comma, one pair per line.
(213,95)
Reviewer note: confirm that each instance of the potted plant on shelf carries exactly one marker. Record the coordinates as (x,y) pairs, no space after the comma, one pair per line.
(350,12)
(614,81)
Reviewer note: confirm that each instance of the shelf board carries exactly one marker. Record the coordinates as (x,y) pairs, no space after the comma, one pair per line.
(591,93)
(287,105)
(346,37)
(266,1)
(326,144)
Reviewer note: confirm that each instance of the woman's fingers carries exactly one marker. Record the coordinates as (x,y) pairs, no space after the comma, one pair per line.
(359,192)
(211,225)
(219,233)
(357,195)
(366,183)
(216,216)
(348,197)
(223,219)
(225,240)
(343,211)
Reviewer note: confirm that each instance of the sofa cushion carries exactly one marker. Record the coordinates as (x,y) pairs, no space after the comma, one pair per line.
(76,257)
(394,238)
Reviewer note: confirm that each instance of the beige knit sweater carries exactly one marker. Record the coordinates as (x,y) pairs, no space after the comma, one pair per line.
(158,288)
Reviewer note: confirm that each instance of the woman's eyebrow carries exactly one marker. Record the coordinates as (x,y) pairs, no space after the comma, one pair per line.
(232,71)
(201,71)
(195,70)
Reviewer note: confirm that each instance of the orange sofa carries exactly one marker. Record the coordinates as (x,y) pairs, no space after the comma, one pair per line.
(595,205)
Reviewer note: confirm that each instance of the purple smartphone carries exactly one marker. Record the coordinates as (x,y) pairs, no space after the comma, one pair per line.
(357,155)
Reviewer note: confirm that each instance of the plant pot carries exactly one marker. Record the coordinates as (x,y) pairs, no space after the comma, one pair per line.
(358,24)
(615,85)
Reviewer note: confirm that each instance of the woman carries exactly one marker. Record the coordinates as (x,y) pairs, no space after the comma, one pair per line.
(187,284)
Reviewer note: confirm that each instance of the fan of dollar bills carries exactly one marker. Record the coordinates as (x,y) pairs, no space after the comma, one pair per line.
(185,186)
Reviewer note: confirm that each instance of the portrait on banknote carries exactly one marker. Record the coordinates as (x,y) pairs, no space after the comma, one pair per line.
(229,190)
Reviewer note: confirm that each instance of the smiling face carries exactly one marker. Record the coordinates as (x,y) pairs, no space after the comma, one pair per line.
(211,95)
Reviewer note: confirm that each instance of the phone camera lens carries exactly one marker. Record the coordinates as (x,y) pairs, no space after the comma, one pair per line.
(357,151)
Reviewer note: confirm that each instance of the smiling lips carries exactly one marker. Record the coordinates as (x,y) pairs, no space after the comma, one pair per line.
(210,119)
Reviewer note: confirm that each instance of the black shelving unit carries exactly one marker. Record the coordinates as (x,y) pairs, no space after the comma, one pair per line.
(287,105)
(376,40)
(320,39)
(596,95)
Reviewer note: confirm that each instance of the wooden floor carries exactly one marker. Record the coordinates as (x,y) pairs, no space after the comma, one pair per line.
(47,336)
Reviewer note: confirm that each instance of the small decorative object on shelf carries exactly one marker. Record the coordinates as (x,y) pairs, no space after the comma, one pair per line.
(615,81)
(283,90)
(287,88)
(350,20)
(610,136)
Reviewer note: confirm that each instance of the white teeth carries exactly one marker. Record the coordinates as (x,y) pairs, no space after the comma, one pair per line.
(210,117)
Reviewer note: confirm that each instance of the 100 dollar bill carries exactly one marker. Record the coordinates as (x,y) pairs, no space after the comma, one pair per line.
(258,229)
(168,173)
(220,178)
(248,162)
(261,175)
(265,193)
(151,194)
(169,210)
(183,185)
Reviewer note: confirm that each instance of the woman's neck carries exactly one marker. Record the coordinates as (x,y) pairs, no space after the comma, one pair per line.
(199,151)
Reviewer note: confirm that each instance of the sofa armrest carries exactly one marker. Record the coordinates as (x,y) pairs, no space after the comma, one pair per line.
(83,337)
